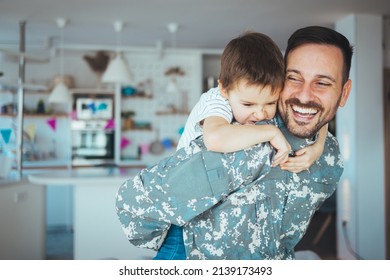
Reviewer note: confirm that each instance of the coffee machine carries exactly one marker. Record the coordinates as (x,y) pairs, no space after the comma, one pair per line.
(93,132)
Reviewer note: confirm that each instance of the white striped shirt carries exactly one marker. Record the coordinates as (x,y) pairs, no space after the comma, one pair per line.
(211,103)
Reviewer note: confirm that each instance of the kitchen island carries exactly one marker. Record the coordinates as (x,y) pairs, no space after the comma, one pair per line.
(97,231)
(22,219)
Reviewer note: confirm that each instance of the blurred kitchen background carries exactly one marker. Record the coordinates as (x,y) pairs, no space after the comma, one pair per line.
(110,86)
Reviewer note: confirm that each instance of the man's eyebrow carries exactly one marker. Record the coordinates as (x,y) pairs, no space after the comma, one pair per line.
(327,77)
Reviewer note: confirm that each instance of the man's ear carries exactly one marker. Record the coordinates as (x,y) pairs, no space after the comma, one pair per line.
(345,93)
(222,90)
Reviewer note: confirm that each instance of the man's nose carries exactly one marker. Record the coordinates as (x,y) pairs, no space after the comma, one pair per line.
(305,94)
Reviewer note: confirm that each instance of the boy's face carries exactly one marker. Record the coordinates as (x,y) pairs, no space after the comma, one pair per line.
(251,103)
(313,89)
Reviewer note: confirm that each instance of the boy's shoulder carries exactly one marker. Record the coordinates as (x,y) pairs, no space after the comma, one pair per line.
(212,93)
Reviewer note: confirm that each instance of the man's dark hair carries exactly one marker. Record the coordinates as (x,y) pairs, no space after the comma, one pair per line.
(324,36)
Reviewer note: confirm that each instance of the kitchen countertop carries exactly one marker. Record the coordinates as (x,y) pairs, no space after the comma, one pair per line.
(84,176)
(7,182)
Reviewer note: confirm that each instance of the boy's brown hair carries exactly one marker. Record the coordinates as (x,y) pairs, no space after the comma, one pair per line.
(255,57)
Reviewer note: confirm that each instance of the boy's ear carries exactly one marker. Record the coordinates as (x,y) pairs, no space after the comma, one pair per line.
(222,90)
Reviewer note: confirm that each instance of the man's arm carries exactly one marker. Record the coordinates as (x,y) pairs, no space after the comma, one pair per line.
(183,186)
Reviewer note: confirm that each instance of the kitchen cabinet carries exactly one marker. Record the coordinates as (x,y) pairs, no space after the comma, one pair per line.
(22,219)
(97,231)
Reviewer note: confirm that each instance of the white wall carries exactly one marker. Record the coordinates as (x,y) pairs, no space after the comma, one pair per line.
(361,198)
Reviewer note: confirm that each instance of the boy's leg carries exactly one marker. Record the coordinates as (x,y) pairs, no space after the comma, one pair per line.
(173,246)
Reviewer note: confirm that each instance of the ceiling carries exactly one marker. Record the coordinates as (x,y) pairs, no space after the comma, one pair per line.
(205,24)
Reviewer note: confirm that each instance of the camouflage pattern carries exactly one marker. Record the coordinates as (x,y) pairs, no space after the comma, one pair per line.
(231,206)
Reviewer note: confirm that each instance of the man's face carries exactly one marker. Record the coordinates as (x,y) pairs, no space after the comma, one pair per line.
(313,88)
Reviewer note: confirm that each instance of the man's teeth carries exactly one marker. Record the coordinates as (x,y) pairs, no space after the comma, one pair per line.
(304,110)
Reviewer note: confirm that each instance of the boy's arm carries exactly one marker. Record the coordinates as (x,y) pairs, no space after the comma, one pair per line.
(221,136)
(305,157)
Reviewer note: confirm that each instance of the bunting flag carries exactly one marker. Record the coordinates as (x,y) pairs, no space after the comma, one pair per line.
(123,171)
(144,148)
(6,134)
(125,142)
(52,123)
(110,124)
(30,130)
(73,115)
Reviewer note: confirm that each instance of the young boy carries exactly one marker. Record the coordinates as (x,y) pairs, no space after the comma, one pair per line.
(251,79)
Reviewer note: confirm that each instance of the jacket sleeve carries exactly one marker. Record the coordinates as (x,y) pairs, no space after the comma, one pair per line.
(183,186)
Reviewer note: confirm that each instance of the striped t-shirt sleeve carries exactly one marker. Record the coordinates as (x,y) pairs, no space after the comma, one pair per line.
(210,104)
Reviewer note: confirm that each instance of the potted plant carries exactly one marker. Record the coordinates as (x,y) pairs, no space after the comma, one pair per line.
(128,121)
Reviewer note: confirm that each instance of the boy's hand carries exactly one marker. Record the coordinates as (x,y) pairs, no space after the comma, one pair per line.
(300,162)
(283,148)
(303,159)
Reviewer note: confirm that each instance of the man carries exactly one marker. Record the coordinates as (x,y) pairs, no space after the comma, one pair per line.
(235,206)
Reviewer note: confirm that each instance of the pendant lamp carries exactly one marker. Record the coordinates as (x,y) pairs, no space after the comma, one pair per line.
(172,86)
(60,93)
(117,70)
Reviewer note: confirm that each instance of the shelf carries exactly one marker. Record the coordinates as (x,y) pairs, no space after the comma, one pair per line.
(30,88)
(166,113)
(137,129)
(93,92)
(59,115)
(26,92)
(137,96)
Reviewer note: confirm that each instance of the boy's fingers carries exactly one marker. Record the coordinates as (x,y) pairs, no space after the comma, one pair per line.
(294,169)
(294,165)
(300,152)
(279,158)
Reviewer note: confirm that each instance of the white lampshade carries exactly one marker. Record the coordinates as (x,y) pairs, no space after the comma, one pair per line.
(117,71)
(60,94)
(172,86)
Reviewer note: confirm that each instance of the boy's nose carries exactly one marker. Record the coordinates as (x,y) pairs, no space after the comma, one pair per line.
(260,114)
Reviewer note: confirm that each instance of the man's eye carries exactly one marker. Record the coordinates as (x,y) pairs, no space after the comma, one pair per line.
(323,84)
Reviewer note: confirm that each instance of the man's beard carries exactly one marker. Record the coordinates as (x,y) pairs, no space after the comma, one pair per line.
(297,128)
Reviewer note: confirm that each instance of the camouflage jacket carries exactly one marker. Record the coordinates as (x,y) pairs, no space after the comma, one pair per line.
(231,206)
